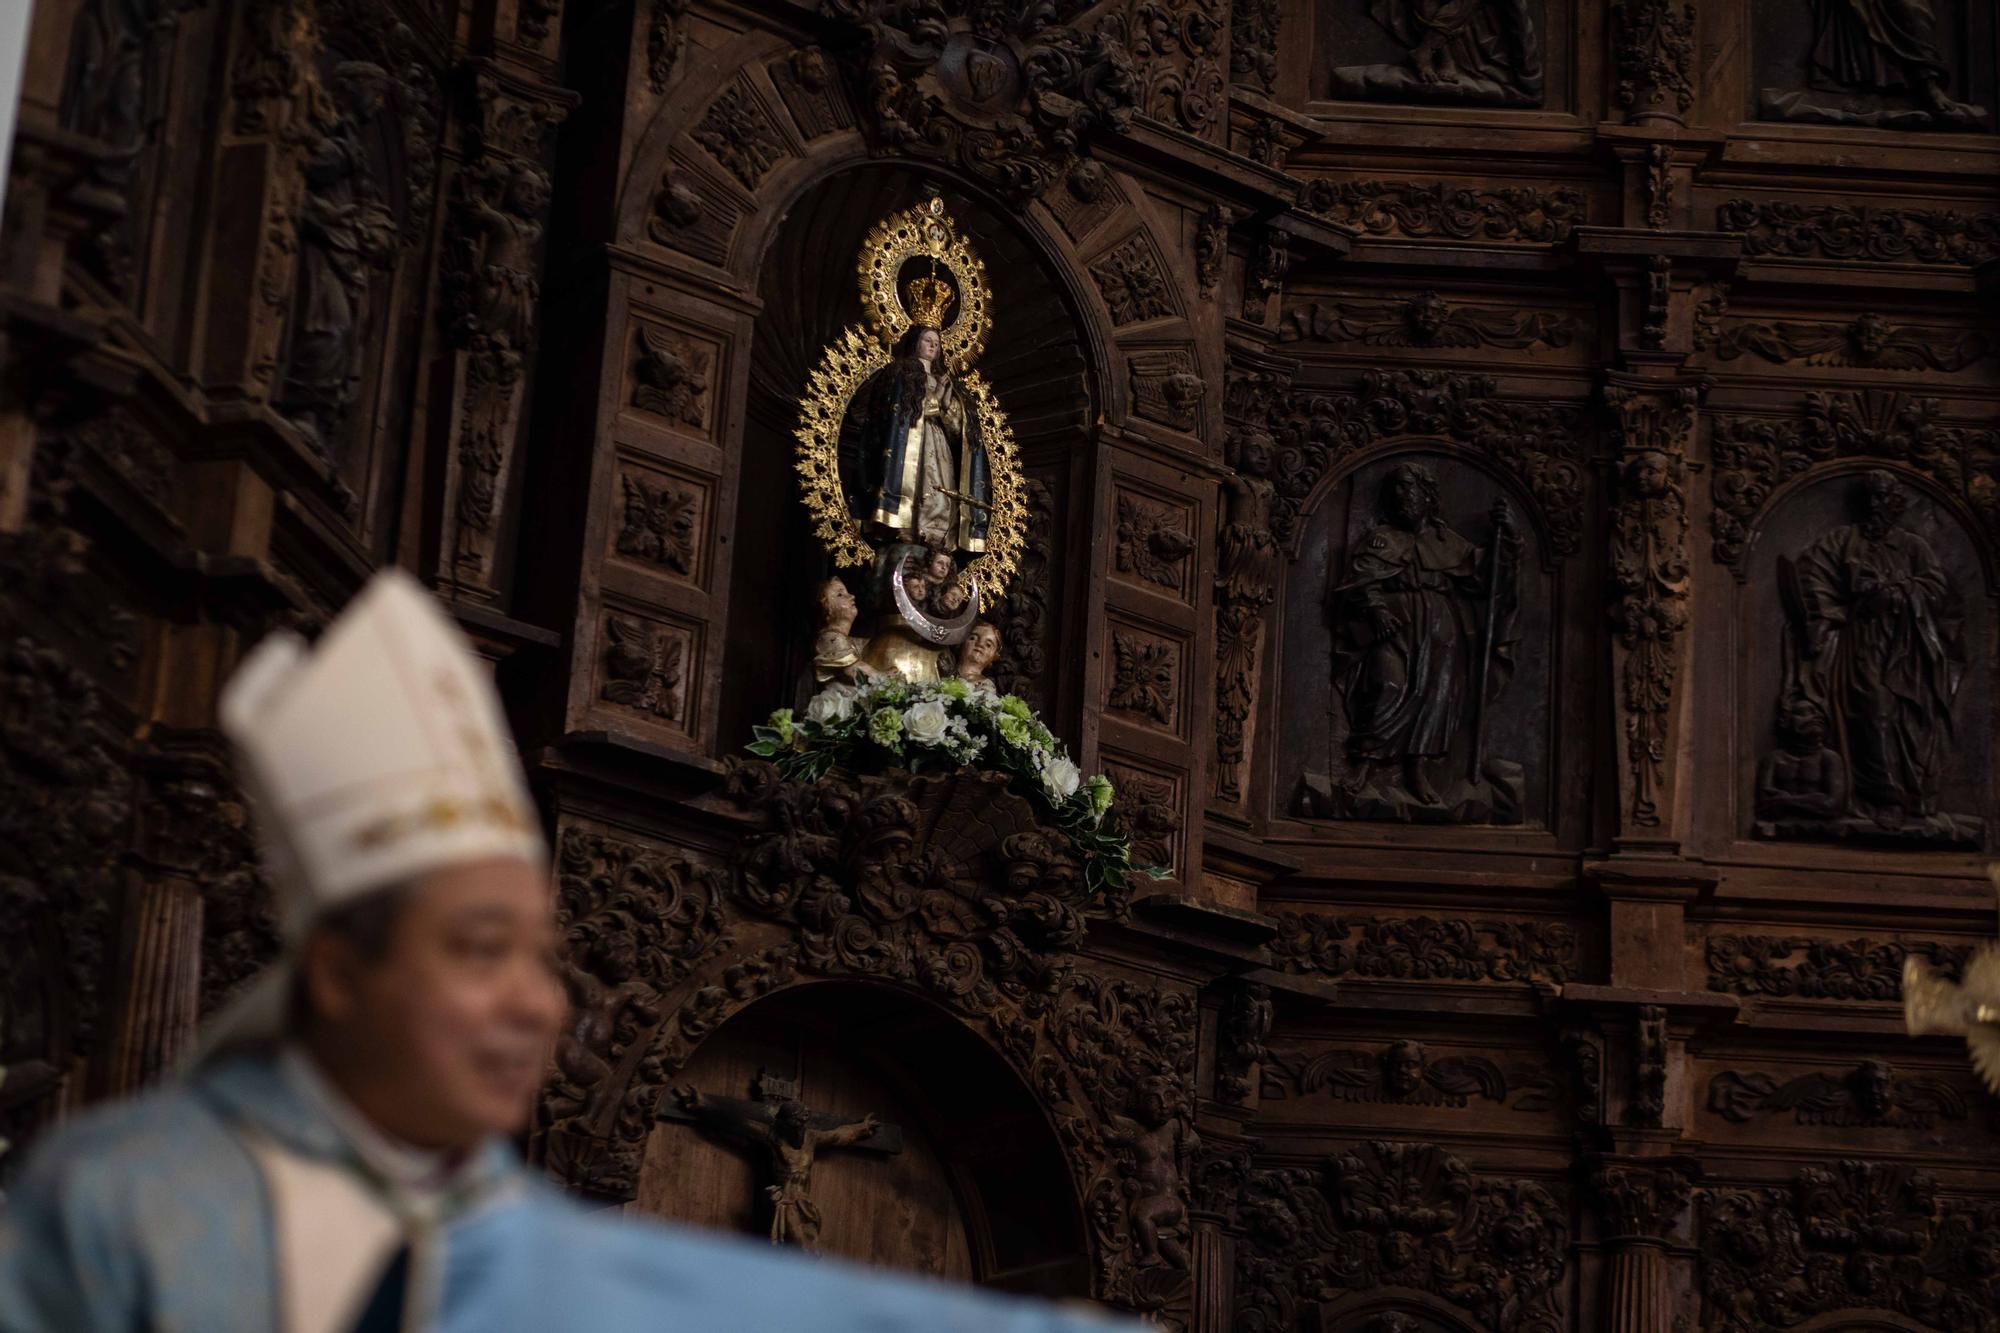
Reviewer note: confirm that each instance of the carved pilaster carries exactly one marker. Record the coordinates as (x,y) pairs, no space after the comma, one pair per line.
(490,306)
(1640,1201)
(266,132)
(1654,425)
(162,981)
(1246,564)
(1652,42)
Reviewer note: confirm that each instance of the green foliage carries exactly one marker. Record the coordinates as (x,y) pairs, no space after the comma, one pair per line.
(870,728)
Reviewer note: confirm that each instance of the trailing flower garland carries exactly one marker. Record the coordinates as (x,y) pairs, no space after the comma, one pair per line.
(887,722)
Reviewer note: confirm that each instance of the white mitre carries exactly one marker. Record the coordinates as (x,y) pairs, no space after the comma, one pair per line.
(370,758)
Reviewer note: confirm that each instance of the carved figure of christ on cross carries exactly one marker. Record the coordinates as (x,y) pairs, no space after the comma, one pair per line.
(789,1137)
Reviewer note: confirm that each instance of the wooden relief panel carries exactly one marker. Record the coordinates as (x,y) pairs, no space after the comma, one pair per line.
(1146,673)
(1155,539)
(1400,1081)
(1910,65)
(1495,53)
(647,670)
(672,375)
(1417,665)
(696,207)
(661,522)
(1428,323)
(1148,804)
(361,231)
(1165,387)
(1868,691)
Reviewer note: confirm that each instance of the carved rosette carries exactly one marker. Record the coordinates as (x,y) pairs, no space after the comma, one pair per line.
(1649,571)
(944,885)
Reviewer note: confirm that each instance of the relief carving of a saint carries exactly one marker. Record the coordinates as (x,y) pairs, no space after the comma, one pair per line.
(1873,662)
(1424,643)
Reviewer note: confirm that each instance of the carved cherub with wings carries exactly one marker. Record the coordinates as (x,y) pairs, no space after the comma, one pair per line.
(1402,1074)
(1870,1094)
(1423,320)
(1870,341)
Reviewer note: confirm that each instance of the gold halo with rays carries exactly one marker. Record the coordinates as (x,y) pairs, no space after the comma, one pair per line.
(925,231)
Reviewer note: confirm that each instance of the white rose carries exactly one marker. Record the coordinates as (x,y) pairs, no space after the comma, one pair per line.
(831,704)
(925,722)
(1060,777)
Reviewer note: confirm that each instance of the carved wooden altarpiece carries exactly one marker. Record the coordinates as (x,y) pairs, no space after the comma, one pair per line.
(1510,496)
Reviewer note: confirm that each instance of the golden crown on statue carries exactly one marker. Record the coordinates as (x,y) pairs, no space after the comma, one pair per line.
(927,299)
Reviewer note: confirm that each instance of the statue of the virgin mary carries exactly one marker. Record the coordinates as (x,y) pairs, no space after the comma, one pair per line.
(911,459)
(907,463)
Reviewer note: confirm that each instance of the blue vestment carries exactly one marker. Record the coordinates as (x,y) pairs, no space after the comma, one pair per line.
(152,1214)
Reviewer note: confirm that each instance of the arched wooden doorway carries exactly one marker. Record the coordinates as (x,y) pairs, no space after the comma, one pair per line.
(973,1186)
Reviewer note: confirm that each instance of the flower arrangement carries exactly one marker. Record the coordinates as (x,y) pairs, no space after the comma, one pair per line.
(887,722)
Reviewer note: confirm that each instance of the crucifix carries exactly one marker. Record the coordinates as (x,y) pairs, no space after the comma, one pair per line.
(774,1122)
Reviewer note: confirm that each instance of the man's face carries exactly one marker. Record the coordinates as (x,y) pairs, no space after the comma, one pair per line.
(1409,500)
(443,1040)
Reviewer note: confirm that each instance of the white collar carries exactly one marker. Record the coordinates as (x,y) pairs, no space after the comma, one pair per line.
(417,1175)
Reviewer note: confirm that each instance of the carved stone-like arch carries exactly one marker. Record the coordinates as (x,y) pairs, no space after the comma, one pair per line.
(945,887)
(1863,1321)
(1394,1310)
(976,1188)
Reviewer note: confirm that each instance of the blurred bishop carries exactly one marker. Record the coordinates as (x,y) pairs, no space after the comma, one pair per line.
(338,1155)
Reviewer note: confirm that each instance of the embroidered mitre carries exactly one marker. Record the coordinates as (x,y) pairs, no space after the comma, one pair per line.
(376,755)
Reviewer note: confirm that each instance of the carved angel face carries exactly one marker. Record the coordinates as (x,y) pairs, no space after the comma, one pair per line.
(1152,1101)
(836,603)
(1802,725)
(1870,335)
(1650,474)
(527,192)
(1426,313)
(982,645)
(1874,1087)
(1403,1068)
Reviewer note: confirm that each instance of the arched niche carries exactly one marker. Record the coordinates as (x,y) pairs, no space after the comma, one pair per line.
(976,1188)
(1863,1321)
(1039,360)
(1324,646)
(1817,619)
(1393,1310)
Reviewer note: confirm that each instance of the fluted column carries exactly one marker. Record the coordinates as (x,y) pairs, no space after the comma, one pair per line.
(1640,1201)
